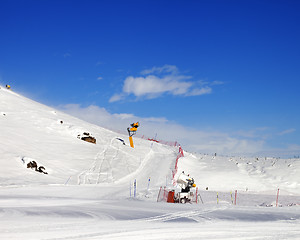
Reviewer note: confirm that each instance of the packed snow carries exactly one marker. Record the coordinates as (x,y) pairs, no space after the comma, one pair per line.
(87,191)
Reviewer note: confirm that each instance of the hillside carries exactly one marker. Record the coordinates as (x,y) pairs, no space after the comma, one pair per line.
(88,188)
(31,131)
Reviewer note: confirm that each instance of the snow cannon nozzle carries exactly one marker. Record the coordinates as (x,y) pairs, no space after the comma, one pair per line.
(131,131)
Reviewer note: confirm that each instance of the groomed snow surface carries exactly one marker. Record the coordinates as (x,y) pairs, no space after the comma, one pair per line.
(89,192)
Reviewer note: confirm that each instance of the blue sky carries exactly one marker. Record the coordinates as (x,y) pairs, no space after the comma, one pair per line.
(218,76)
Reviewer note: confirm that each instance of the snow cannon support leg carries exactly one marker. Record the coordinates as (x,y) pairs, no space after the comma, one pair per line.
(131,142)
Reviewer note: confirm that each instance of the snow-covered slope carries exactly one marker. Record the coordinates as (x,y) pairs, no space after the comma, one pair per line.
(34,132)
(31,131)
(228,173)
(86,193)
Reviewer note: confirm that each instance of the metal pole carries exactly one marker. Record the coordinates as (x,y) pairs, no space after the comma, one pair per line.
(134,188)
(277,197)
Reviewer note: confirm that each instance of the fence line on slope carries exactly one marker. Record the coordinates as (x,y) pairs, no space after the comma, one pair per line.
(179,155)
(168,143)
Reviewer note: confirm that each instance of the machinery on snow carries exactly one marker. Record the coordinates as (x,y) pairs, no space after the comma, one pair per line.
(186,183)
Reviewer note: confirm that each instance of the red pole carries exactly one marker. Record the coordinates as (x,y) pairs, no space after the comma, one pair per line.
(277,197)
(196,195)
(180,152)
(235,197)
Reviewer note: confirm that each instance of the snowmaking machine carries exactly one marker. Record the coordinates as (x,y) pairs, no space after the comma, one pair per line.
(132,131)
(186,183)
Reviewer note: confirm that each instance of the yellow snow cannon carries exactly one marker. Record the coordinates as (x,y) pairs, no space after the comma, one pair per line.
(131,131)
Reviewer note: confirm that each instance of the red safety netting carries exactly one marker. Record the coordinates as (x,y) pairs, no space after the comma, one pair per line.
(179,155)
(168,143)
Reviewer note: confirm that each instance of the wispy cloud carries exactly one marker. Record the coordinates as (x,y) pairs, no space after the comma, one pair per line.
(158,70)
(158,81)
(199,91)
(116,98)
(217,83)
(287,131)
(261,132)
(152,86)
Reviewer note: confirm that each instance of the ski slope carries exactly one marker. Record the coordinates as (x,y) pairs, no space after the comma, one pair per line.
(31,131)
(88,191)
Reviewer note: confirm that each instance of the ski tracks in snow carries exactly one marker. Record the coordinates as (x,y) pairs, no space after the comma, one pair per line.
(196,215)
(103,169)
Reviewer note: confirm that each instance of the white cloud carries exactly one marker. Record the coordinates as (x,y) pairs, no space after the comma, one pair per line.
(287,131)
(199,91)
(158,70)
(100,78)
(191,139)
(123,116)
(152,86)
(261,132)
(116,97)
(217,83)
(158,81)
(288,151)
